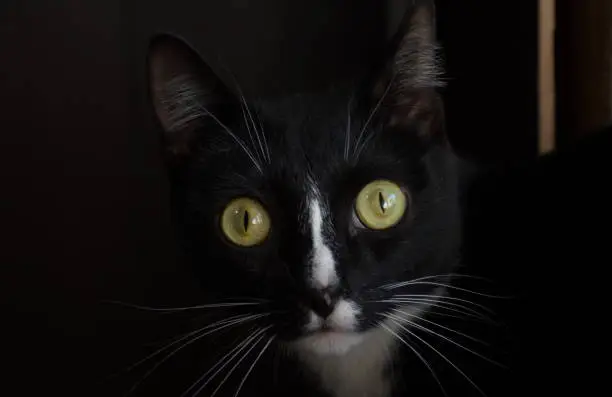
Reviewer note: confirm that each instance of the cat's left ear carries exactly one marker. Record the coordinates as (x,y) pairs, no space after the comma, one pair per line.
(406,88)
(185,92)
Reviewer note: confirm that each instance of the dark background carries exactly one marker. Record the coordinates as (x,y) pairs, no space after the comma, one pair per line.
(84,194)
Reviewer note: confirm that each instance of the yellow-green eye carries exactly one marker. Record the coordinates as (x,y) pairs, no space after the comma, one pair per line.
(380,205)
(245,222)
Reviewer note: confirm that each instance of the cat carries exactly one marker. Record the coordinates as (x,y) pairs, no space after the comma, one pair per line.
(322,226)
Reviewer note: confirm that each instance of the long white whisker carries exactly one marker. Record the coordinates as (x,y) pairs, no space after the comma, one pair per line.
(258,165)
(235,137)
(182,338)
(178,309)
(246,106)
(449,287)
(444,297)
(372,113)
(436,313)
(436,276)
(365,143)
(347,137)
(253,365)
(245,355)
(440,354)
(419,318)
(437,304)
(423,360)
(223,362)
(445,303)
(414,324)
(259,139)
(263,136)
(246,123)
(175,351)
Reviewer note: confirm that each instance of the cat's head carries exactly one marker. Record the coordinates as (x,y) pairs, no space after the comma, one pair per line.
(316,205)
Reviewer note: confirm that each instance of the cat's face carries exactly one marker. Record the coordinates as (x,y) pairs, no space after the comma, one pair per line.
(315,205)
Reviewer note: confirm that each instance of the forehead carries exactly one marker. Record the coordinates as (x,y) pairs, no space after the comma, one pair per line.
(302,141)
(307,121)
(299,137)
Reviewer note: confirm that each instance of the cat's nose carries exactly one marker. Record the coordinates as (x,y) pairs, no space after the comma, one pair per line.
(323,301)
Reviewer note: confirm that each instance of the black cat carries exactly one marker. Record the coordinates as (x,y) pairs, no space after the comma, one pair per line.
(324,227)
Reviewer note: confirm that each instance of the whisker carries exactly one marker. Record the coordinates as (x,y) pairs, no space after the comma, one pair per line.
(372,113)
(245,355)
(437,276)
(253,365)
(223,362)
(185,94)
(252,123)
(407,283)
(182,338)
(241,94)
(179,309)
(419,318)
(248,110)
(414,324)
(246,123)
(239,141)
(423,360)
(441,355)
(347,137)
(175,351)
(441,305)
(436,313)
(263,135)
(444,297)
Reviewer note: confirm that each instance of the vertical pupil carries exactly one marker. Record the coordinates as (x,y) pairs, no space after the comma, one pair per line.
(381,201)
(245,220)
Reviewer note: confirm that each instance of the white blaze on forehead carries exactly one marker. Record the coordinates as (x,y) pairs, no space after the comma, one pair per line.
(323,271)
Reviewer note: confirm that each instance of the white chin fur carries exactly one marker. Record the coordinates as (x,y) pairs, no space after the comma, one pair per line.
(341,336)
(330,343)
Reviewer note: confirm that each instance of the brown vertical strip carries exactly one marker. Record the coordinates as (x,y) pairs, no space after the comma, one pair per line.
(546,76)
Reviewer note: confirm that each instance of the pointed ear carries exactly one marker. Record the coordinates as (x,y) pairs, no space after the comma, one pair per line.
(407,85)
(184,90)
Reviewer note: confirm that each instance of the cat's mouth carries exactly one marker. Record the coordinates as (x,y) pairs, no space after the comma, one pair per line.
(329,342)
(343,319)
(333,335)
(327,330)
(327,326)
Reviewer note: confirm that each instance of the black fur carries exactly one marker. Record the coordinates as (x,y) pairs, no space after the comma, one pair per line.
(399,124)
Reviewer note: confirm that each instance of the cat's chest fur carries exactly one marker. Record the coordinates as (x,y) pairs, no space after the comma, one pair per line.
(364,371)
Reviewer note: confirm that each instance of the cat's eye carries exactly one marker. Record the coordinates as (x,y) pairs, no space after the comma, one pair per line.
(380,205)
(245,222)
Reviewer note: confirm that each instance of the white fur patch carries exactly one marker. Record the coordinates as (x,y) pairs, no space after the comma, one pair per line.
(330,343)
(352,364)
(323,270)
(349,363)
(341,336)
(344,316)
(356,370)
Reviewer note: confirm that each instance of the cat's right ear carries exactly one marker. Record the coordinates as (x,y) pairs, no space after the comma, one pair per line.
(184,90)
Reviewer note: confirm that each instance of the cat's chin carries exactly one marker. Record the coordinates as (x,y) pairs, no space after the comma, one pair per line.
(329,343)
